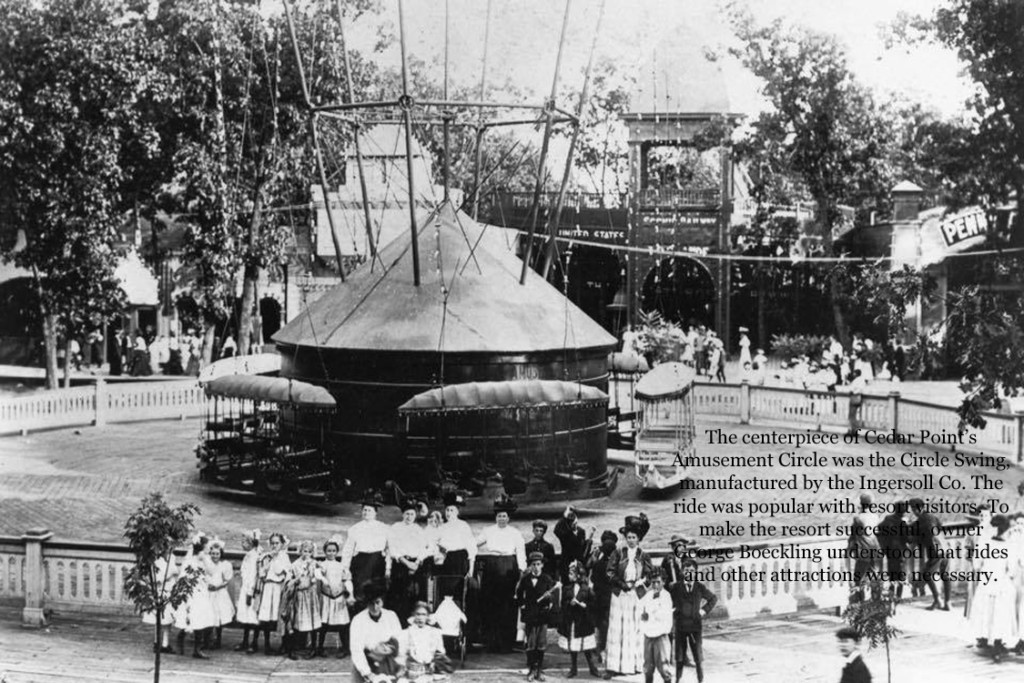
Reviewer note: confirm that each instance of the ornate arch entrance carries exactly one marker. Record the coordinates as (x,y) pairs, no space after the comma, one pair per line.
(681,289)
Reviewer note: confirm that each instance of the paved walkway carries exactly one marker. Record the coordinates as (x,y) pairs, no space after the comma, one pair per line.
(83,484)
(791,649)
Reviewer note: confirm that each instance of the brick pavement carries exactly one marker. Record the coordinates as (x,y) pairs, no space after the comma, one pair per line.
(83,483)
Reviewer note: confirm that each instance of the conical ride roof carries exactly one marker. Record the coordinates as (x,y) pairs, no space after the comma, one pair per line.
(379,308)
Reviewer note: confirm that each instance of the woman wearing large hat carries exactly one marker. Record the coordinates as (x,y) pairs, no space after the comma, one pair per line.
(505,558)
(629,569)
(363,553)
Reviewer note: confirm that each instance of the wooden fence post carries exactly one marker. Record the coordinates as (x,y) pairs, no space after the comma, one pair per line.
(100,415)
(894,410)
(744,402)
(33,615)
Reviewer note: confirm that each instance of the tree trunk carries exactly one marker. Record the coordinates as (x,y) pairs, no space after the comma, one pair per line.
(50,349)
(67,361)
(247,324)
(209,341)
(158,641)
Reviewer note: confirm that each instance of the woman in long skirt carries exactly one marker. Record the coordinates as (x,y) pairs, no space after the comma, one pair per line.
(196,615)
(274,569)
(629,568)
(306,609)
(363,553)
(220,574)
(248,600)
(335,599)
(994,612)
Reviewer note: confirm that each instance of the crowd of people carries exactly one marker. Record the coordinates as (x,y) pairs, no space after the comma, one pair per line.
(400,597)
(141,353)
(909,542)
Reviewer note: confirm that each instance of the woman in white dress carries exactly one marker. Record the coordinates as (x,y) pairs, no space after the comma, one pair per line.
(217,580)
(246,608)
(274,569)
(994,609)
(196,615)
(336,596)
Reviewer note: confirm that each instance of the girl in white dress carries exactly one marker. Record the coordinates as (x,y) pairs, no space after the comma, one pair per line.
(195,615)
(218,580)
(274,569)
(245,612)
(307,577)
(335,599)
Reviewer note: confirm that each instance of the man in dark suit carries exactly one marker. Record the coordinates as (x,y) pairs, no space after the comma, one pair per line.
(692,602)
(855,670)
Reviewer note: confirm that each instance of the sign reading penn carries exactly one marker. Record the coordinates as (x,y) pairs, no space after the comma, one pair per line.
(964,225)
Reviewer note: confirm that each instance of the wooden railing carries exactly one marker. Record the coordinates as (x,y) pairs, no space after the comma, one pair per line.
(100,404)
(47,577)
(1002,434)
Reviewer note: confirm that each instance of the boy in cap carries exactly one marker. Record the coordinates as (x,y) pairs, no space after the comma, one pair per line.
(539,545)
(533,595)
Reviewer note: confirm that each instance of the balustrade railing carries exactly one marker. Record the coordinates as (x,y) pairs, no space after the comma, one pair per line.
(75,577)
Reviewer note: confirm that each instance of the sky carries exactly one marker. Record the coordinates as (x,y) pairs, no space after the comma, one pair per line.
(524,38)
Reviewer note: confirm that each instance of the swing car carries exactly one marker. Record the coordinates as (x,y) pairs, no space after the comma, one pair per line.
(665,426)
(624,371)
(242,446)
(540,440)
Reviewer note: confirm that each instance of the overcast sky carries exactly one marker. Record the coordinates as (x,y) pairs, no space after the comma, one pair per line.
(524,37)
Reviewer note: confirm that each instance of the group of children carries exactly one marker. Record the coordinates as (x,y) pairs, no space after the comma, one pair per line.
(301,600)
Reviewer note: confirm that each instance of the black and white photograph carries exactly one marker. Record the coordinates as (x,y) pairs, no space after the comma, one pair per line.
(474,341)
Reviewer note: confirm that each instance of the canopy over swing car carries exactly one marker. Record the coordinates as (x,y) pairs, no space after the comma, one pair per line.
(242,446)
(665,429)
(539,440)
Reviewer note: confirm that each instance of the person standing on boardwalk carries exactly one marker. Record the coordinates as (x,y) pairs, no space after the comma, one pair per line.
(335,598)
(219,575)
(575,543)
(629,570)
(576,631)
(894,538)
(538,544)
(505,560)
(656,624)
(363,553)
(671,568)
(406,550)
(248,600)
(863,547)
(745,356)
(597,565)
(928,533)
(854,670)
(533,595)
(692,601)
(274,570)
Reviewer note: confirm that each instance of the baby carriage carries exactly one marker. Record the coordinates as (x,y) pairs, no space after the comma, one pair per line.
(447,598)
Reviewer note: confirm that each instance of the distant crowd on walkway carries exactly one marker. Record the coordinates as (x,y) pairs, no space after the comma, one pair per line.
(141,353)
(405,598)
(910,543)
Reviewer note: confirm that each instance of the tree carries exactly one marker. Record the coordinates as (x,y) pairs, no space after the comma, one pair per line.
(153,531)
(870,614)
(75,80)
(823,128)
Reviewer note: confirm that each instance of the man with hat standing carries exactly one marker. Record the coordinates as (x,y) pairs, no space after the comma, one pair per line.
(506,558)
(692,601)
(363,552)
(540,545)
(374,639)
(597,565)
(672,565)
(533,595)
(406,550)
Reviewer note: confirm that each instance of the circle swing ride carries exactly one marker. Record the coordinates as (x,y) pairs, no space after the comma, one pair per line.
(475,376)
